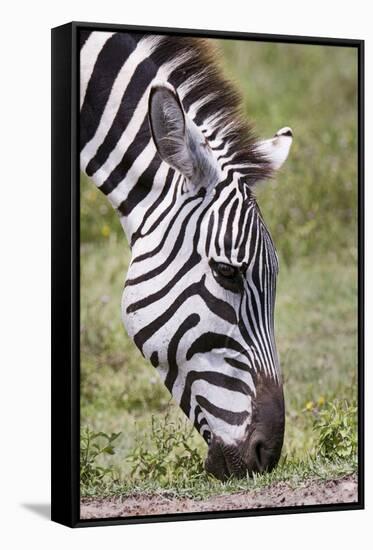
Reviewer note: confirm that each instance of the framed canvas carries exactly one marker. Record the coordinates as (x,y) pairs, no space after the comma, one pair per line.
(207,274)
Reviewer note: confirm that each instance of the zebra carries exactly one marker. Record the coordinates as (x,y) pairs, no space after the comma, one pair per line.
(163,137)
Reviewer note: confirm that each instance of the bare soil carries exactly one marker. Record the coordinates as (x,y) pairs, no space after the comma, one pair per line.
(342,490)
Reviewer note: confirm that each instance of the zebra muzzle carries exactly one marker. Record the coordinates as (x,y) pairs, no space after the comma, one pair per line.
(255,456)
(259,451)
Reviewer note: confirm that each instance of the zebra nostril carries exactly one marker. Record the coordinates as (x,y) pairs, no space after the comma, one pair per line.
(260,458)
(263,454)
(259,455)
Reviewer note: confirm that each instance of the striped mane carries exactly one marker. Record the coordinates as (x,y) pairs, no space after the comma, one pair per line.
(200,82)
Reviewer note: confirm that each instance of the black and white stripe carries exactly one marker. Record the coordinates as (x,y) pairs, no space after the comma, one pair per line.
(188,210)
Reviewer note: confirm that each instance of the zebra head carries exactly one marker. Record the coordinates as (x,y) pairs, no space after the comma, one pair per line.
(200,291)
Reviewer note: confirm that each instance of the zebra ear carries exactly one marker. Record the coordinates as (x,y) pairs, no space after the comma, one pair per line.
(276,150)
(168,128)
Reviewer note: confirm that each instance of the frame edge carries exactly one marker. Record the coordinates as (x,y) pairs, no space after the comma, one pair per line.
(65,276)
(63,384)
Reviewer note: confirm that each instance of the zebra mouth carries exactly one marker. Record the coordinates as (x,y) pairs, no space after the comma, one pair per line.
(252,456)
(224,461)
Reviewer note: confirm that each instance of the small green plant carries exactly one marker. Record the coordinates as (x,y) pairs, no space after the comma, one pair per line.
(336,424)
(172,456)
(94,445)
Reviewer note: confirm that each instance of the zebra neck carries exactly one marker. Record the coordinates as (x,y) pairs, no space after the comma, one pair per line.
(144,178)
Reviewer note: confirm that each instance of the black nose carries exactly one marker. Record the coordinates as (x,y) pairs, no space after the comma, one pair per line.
(253,456)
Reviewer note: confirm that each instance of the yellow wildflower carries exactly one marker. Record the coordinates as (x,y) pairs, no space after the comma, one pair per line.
(105,230)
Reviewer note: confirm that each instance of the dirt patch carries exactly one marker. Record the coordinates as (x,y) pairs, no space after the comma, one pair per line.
(341,490)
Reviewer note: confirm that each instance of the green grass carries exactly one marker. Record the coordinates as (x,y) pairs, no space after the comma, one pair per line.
(201,487)
(310,209)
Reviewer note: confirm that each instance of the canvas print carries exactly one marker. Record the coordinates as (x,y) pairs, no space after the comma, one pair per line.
(218,274)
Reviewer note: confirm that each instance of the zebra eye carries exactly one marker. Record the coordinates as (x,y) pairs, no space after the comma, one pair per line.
(228,276)
(226,270)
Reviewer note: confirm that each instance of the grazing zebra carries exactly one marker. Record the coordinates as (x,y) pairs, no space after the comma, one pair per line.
(162,137)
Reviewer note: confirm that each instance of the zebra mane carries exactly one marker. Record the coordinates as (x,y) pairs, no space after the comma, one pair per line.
(217,105)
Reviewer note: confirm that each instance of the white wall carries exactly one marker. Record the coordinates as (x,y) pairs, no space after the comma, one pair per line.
(25,268)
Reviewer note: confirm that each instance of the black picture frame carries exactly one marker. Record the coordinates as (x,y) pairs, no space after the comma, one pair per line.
(66,270)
